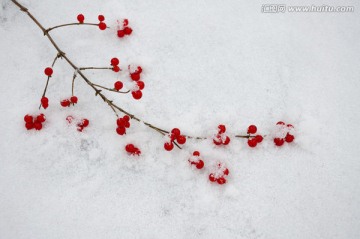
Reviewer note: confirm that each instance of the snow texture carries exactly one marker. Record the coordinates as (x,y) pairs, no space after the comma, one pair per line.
(205,63)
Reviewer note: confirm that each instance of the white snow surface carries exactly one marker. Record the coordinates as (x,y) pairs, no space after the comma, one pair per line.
(205,63)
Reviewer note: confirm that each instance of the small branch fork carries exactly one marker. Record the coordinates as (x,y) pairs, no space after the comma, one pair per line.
(98,92)
(72,24)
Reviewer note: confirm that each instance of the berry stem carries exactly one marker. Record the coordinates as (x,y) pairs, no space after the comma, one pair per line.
(71,24)
(95,68)
(105,88)
(72,84)
(48,78)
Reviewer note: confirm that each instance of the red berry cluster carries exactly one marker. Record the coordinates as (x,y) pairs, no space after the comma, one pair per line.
(44,102)
(285,133)
(32,122)
(131,149)
(102,24)
(252,142)
(196,160)
(123,28)
(220,138)
(48,71)
(81,124)
(115,64)
(135,75)
(67,102)
(174,136)
(219,175)
(122,123)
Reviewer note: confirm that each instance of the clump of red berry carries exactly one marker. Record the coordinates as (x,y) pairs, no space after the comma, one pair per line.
(135,75)
(221,138)
(132,149)
(122,124)
(44,102)
(67,102)
(253,140)
(48,71)
(102,24)
(196,160)
(80,18)
(175,135)
(34,122)
(285,133)
(115,64)
(123,28)
(219,174)
(80,124)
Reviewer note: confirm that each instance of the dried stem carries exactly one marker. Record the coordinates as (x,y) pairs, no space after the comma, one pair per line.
(95,68)
(109,89)
(113,106)
(72,24)
(48,78)
(72,84)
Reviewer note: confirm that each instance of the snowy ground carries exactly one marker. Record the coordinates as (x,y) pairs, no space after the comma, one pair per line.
(205,63)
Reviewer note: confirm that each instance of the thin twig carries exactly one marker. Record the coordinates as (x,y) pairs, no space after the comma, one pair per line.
(95,68)
(72,24)
(93,86)
(109,89)
(48,78)
(73,83)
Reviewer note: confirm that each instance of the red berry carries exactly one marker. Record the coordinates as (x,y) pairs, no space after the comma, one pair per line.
(37,125)
(221,180)
(278,141)
(29,125)
(85,122)
(227,140)
(200,164)
(137,94)
(258,138)
(116,68)
(176,132)
(127,31)
(101,18)
(120,122)
(74,99)
(130,148)
(120,33)
(217,140)
(125,22)
(212,177)
(280,123)
(48,71)
(115,61)
(181,139)
(118,85)
(45,105)
(289,138)
(196,153)
(44,100)
(135,76)
(137,152)
(121,130)
(65,103)
(127,124)
(102,26)
(252,142)
(139,70)
(289,126)
(252,129)
(126,117)
(41,118)
(168,146)
(221,128)
(28,118)
(80,128)
(226,171)
(141,84)
(80,18)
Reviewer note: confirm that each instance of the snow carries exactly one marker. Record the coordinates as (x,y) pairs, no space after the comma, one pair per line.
(205,63)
